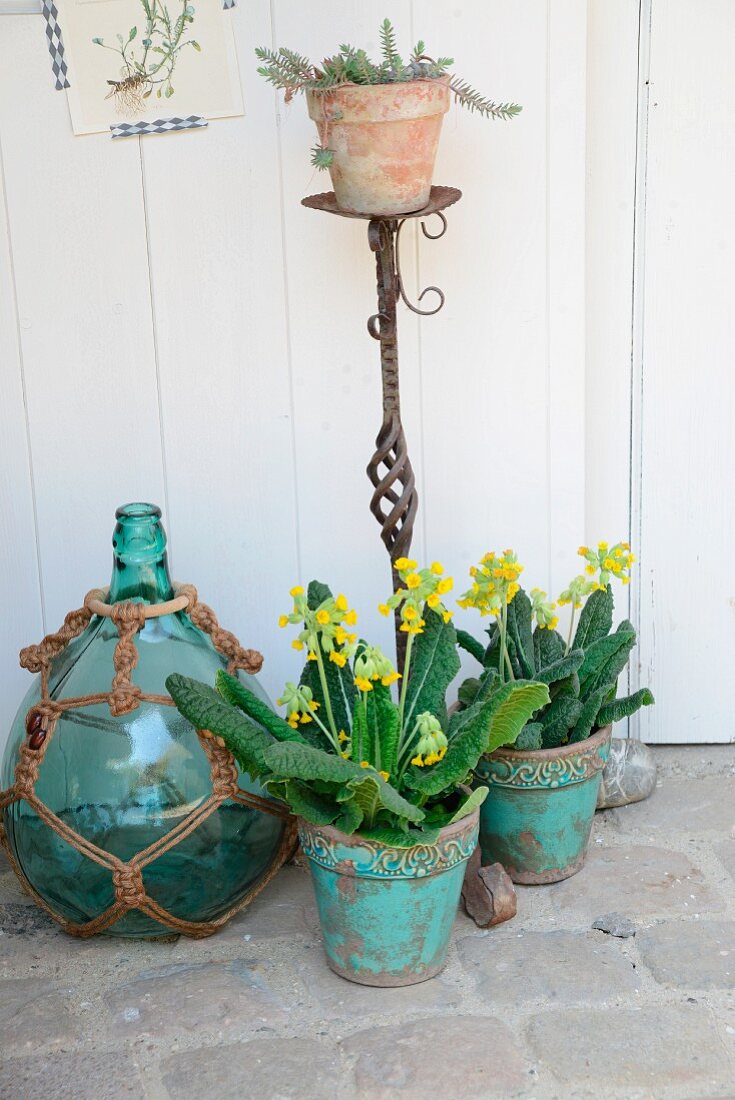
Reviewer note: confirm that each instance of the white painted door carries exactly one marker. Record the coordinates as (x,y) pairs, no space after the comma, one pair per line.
(684,484)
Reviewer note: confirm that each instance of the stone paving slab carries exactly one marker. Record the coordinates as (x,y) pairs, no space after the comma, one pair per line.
(540,1008)
(691,954)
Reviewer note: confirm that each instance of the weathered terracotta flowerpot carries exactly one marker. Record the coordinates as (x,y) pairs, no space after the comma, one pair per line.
(537,818)
(384,138)
(387,913)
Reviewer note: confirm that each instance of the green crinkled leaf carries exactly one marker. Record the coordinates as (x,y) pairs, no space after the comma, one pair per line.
(484,727)
(471,645)
(372,793)
(559,718)
(434,664)
(397,838)
(468,690)
(238,695)
(363,745)
(470,804)
(530,737)
(548,647)
(306,803)
(207,710)
(560,670)
(588,717)
(595,622)
(350,818)
(519,630)
(289,760)
(618,709)
(384,714)
(606,658)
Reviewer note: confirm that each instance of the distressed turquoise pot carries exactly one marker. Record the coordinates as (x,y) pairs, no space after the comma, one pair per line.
(387,913)
(537,818)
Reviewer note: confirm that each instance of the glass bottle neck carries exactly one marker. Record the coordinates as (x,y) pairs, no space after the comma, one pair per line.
(139,560)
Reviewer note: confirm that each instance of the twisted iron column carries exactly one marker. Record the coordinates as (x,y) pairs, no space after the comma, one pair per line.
(394,502)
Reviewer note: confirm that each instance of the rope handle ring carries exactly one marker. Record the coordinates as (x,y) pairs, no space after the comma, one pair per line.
(96,602)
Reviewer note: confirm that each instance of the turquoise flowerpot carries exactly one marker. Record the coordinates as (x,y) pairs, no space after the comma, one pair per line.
(387,913)
(537,819)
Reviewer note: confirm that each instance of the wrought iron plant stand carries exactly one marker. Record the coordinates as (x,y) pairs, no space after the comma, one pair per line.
(395,500)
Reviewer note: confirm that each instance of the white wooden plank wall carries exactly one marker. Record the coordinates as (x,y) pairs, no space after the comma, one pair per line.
(174,326)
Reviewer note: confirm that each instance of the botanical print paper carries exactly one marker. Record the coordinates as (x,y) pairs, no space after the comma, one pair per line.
(140,60)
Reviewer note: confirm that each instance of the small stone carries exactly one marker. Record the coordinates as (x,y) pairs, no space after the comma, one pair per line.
(488,893)
(290,1068)
(615,924)
(469,1056)
(629,774)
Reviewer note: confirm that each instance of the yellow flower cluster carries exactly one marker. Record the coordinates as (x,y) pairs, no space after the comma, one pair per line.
(299,703)
(432,743)
(608,562)
(371,664)
(326,623)
(544,612)
(577,591)
(494,583)
(423,588)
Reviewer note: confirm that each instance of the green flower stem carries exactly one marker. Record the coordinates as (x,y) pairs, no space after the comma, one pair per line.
(571,630)
(404,755)
(325,689)
(505,656)
(324,729)
(404,687)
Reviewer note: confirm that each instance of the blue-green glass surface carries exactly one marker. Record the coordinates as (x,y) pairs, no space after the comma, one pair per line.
(122,782)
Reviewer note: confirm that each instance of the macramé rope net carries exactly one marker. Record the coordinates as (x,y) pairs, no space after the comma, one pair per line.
(124,697)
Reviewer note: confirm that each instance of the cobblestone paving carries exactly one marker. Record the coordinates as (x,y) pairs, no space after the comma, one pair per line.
(542,1007)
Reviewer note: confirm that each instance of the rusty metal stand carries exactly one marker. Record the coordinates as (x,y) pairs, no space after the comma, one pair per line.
(394,501)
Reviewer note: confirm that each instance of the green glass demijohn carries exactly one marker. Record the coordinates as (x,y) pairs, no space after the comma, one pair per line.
(124,782)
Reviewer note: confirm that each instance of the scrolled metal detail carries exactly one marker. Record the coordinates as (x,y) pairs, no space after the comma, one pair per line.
(367,859)
(399,277)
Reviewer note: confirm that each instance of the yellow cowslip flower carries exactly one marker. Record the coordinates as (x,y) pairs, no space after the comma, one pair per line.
(345,755)
(418,761)
(296,591)
(409,613)
(602,547)
(608,563)
(305,718)
(341,603)
(444,586)
(446,615)
(590,570)
(338,658)
(404,563)
(340,635)
(363,684)
(390,679)
(413,580)
(311,656)
(513,589)
(297,645)
(437,568)
(322,617)
(365,764)
(383,609)
(583,551)
(283,620)
(351,618)
(553,622)
(434,599)
(384,775)
(342,736)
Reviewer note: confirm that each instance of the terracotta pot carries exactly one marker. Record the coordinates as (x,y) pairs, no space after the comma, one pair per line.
(384,138)
(387,913)
(537,818)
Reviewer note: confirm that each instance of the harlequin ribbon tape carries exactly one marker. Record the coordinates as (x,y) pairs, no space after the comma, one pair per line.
(158,126)
(55,44)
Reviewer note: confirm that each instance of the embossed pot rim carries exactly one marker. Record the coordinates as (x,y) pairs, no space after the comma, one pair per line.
(577,748)
(468,824)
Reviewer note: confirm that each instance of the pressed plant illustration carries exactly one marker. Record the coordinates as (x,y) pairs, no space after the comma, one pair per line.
(149,59)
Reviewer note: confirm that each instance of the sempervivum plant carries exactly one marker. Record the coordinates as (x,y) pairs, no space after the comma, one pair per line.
(361,747)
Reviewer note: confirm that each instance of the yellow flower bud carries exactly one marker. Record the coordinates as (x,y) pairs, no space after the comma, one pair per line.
(437,568)
(297,591)
(283,620)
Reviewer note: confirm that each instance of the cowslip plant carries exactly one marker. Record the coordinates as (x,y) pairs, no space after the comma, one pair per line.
(361,747)
(581,671)
(292,73)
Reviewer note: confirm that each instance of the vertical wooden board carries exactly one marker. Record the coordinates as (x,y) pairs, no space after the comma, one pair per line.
(336,376)
(216,252)
(78,239)
(487,358)
(21,621)
(688,393)
(612,107)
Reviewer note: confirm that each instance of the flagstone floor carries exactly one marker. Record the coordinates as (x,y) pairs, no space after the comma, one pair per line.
(542,1007)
